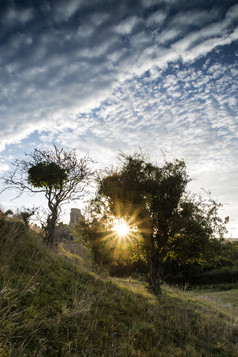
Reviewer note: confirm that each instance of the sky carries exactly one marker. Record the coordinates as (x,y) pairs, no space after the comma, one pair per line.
(105,76)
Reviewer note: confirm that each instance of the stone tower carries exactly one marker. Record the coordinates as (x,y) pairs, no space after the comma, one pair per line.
(75,216)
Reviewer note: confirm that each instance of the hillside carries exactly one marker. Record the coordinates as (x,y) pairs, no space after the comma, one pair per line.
(51,304)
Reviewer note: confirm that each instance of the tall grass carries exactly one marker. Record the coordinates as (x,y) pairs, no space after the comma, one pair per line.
(52,306)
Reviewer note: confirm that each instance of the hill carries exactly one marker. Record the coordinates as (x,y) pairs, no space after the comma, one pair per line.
(51,304)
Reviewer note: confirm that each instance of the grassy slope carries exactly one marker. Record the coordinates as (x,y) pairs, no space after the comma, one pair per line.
(51,305)
(225,300)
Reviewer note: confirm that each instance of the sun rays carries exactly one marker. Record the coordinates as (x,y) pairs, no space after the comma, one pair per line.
(122,232)
(121,227)
(119,235)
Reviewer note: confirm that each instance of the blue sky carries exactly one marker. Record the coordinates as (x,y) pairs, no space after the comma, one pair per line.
(109,76)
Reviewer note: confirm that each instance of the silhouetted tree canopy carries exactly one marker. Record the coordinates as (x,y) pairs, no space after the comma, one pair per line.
(171,223)
(47,174)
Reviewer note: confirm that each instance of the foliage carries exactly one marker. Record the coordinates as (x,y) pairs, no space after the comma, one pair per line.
(56,173)
(46,174)
(25,214)
(174,225)
(9,212)
(220,266)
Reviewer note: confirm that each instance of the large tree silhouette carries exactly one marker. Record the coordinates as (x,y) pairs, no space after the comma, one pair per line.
(171,223)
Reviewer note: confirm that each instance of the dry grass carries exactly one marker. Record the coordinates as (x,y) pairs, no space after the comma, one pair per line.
(50,305)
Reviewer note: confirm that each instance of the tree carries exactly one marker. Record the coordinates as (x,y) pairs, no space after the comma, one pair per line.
(171,223)
(56,173)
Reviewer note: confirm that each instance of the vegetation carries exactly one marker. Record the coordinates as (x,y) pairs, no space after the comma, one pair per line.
(220,267)
(165,222)
(142,221)
(51,305)
(25,215)
(56,173)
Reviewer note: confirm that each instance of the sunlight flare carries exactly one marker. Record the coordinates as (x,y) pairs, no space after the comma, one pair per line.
(121,227)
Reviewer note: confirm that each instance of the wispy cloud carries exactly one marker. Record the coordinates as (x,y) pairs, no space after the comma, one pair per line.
(87,56)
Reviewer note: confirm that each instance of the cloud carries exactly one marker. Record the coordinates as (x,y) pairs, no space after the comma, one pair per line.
(157,18)
(64,10)
(65,60)
(3,167)
(194,18)
(184,112)
(15,16)
(126,26)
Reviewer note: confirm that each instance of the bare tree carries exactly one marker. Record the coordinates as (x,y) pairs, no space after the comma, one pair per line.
(59,174)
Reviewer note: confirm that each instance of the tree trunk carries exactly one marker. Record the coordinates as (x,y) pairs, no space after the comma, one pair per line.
(50,228)
(154,262)
(155,275)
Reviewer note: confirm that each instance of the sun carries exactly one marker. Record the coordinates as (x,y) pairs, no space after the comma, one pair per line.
(121,227)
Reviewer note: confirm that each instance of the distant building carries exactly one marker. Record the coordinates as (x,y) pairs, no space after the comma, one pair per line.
(75,216)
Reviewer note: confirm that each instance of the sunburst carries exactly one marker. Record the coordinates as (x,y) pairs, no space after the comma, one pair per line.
(121,227)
